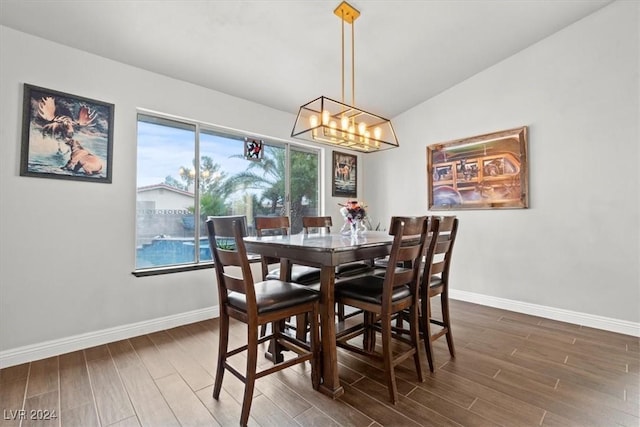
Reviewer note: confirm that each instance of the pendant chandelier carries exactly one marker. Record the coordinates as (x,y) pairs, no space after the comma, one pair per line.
(327,121)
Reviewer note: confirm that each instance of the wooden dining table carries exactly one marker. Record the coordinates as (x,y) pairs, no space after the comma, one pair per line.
(325,251)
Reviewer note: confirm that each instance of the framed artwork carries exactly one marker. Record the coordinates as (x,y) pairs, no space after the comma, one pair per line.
(253,149)
(345,175)
(66,136)
(481,172)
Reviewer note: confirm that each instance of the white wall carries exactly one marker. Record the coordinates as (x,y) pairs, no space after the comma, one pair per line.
(577,247)
(68,248)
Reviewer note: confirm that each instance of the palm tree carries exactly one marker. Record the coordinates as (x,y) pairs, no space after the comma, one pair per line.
(268,175)
(213,186)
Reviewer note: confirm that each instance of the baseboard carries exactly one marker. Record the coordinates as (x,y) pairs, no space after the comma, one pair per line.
(575,317)
(52,348)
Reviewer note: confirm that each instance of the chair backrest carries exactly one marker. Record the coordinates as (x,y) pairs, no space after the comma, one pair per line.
(409,237)
(318,222)
(231,256)
(439,252)
(225,228)
(277,224)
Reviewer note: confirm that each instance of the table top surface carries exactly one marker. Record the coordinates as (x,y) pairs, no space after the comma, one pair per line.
(324,242)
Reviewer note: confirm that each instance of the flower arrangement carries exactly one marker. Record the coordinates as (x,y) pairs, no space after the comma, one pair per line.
(353,213)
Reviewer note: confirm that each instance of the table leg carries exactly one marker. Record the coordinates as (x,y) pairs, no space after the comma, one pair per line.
(330,382)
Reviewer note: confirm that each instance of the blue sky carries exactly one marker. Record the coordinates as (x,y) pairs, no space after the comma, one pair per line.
(162,150)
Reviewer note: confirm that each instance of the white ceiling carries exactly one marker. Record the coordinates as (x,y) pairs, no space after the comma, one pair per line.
(284,53)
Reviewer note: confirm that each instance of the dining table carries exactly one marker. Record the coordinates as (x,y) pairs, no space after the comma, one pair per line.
(325,251)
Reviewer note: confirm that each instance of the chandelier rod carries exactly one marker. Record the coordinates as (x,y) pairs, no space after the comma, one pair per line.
(353,63)
(342,17)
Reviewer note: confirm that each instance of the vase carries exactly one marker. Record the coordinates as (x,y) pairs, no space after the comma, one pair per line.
(357,227)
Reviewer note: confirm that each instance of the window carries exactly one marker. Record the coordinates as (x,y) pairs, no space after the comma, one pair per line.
(188,171)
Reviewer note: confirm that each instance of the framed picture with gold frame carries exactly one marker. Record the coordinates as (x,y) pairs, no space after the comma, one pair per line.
(487,171)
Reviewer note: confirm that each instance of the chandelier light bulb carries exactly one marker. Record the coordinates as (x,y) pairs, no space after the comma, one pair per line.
(325,117)
(332,126)
(362,128)
(345,123)
(377,133)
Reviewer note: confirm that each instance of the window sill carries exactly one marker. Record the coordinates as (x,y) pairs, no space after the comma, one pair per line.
(155,271)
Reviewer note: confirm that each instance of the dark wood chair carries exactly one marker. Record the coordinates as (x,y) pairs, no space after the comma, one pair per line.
(258,304)
(318,223)
(279,225)
(435,281)
(225,232)
(323,224)
(382,298)
(304,275)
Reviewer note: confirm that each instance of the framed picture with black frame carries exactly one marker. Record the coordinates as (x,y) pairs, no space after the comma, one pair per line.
(66,136)
(345,175)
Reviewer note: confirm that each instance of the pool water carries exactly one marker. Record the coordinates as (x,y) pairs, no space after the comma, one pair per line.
(170,251)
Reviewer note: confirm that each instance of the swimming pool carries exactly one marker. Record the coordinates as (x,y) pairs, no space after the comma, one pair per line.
(164,251)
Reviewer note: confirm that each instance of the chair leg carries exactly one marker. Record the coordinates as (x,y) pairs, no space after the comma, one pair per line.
(369,335)
(301,327)
(250,375)
(340,312)
(223,343)
(414,331)
(388,358)
(426,324)
(316,362)
(444,302)
(399,321)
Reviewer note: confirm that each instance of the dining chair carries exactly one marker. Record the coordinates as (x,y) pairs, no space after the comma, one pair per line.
(257,304)
(381,298)
(225,229)
(435,281)
(304,275)
(279,225)
(324,224)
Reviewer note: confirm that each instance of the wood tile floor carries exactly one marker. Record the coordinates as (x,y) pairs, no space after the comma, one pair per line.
(511,370)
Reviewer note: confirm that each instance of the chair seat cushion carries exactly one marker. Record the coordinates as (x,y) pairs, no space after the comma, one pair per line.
(272,295)
(299,274)
(352,269)
(381,273)
(381,262)
(369,289)
(435,281)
